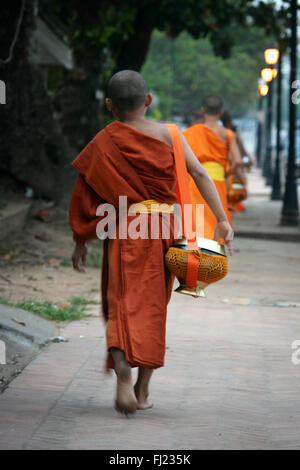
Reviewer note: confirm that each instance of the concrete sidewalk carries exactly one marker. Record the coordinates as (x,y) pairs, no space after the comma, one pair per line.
(228,383)
(262,216)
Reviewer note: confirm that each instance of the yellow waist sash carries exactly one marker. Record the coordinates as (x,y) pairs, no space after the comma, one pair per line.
(150,206)
(215,170)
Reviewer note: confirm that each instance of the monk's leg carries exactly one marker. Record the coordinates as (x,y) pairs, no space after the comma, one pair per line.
(141,388)
(126,401)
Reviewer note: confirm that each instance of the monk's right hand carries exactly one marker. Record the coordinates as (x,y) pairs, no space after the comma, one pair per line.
(224,230)
(79,254)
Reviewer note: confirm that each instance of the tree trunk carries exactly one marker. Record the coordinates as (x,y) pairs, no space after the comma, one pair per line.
(133,51)
(78,100)
(33,150)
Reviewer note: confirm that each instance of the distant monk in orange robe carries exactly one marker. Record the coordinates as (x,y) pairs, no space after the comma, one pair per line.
(214,147)
(133,157)
(227,121)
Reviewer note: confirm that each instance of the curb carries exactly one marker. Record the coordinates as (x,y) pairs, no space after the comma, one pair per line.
(30,327)
(280,237)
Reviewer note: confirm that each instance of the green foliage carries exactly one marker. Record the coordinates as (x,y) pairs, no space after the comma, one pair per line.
(118,25)
(213,19)
(108,25)
(156,115)
(182,71)
(110,35)
(103,23)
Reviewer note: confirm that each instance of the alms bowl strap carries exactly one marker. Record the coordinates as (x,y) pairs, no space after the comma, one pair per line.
(184,197)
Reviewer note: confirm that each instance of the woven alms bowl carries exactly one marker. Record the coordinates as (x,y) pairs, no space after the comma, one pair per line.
(236,191)
(213,264)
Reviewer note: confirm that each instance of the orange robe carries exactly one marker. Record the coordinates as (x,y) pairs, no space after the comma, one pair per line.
(239,206)
(208,147)
(136,286)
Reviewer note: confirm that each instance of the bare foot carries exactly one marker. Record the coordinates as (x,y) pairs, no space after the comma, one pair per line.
(126,402)
(142,398)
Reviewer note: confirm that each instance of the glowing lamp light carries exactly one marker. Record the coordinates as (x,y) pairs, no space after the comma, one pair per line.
(271,56)
(274,71)
(267,75)
(263,90)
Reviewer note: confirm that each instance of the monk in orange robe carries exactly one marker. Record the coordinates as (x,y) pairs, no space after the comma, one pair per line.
(227,121)
(132,157)
(215,147)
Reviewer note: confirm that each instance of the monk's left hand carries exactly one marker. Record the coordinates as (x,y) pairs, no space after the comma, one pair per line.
(79,254)
(224,230)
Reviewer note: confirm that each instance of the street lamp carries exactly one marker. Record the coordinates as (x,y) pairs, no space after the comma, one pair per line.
(276,184)
(271,56)
(290,210)
(267,76)
(263,89)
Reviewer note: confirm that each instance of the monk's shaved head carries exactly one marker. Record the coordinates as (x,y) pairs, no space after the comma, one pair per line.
(127,90)
(212,105)
(226,118)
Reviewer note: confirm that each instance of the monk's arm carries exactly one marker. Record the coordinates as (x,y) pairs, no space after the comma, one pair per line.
(82,219)
(235,159)
(241,146)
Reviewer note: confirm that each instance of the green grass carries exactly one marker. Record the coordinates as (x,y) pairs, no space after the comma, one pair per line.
(83,301)
(66,262)
(52,311)
(94,258)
